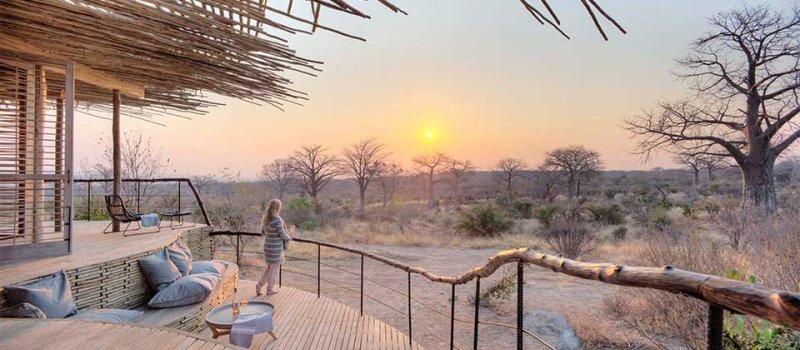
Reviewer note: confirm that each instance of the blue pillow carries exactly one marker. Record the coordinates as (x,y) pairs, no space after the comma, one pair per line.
(109,315)
(51,295)
(185,291)
(181,256)
(208,266)
(24,310)
(159,270)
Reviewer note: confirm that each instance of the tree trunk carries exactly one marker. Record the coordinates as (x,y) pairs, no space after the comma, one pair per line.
(361,199)
(758,189)
(431,195)
(696,181)
(572,187)
(117,151)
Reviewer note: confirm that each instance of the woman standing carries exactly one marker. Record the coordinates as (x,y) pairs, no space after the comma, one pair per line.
(276,237)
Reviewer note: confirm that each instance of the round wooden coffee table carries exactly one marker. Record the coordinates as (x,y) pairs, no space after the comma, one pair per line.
(220,319)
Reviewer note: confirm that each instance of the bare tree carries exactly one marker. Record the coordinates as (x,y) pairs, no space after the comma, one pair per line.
(549,181)
(429,166)
(712,163)
(279,176)
(574,162)
(363,161)
(508,170)
(695,165)
(140,160)
(390,180)
(745,75)
(201,183)
(315,167)
(457,172)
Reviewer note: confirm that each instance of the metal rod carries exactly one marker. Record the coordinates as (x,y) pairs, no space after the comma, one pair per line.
(410,338)
(452,315)
(179,198)
(280,275)
(361,307)
(89,203)
(238,238)
(520,290)
(138,197)
(319,268)
(716,317)
(477,313)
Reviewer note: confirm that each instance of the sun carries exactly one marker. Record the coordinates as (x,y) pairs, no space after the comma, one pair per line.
(429,135)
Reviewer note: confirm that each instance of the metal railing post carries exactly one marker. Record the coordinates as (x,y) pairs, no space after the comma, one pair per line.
(179,198)
(716,317)
(520,291)
(280,275)
(89,202)
(361,307)
(410,338)
(238,238)
(138,197)
(477,313)
(319,268)
(452,315)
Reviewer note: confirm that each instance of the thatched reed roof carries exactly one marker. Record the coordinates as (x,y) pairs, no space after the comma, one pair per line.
(163,53)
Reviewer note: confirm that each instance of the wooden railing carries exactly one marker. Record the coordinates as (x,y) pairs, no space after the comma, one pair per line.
(778,306)
(137,193)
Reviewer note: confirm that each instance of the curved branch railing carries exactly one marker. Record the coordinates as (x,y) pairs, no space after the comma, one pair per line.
(778,306)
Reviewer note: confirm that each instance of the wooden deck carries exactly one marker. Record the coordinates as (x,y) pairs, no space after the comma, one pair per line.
(67,334)
(303,321)
(91,246)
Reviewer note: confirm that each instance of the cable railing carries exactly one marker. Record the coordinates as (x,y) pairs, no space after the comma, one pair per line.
(721,294)
(138,196)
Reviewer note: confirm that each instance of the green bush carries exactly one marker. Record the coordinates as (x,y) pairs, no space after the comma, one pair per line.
(545,215)
(300,211)
(523,208)
(688,211)
(619,233)
(659,219)
(484,221)
(711,208)
(610,215)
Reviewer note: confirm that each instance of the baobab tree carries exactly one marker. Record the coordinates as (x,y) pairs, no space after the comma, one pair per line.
(279,176)
(695,165)
(508,170)
(549,181)
(363,161)
(429,166)
(574,163)
(390,181)
(745,74)
(457,172)
(315,167)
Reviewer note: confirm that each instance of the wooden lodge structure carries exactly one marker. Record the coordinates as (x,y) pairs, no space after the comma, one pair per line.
(146,58)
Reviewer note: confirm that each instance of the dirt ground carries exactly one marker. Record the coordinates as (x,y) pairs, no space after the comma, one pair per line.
(581,301)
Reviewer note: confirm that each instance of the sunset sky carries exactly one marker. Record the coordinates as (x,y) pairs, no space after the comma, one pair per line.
(481,77)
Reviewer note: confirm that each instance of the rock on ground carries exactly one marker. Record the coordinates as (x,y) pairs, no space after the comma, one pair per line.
(553,328)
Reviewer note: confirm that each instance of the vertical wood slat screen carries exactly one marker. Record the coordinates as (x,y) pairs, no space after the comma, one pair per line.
(36,103)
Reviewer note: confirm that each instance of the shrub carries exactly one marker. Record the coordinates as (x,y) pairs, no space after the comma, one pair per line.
(300,211)
(610,215)
(711,208)
(501,290)
(545,215)
(688,211)
(570,238)
(659,218)
(484,221)
(523,208)
(619,233)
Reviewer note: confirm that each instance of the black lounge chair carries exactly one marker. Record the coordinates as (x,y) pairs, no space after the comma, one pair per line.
(119,213)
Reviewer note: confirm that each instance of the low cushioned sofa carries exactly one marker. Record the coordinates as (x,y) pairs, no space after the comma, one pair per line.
(121,284)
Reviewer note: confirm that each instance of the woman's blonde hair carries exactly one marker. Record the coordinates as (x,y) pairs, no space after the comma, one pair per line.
(273,209)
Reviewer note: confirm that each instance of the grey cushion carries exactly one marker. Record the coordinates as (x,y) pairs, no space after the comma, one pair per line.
(50,294)
(159,270)
(187,290)
(109,315)
(181,256)
(208,266)
(24,310)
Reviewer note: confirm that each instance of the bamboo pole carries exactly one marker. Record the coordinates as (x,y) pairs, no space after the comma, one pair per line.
(39,112)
